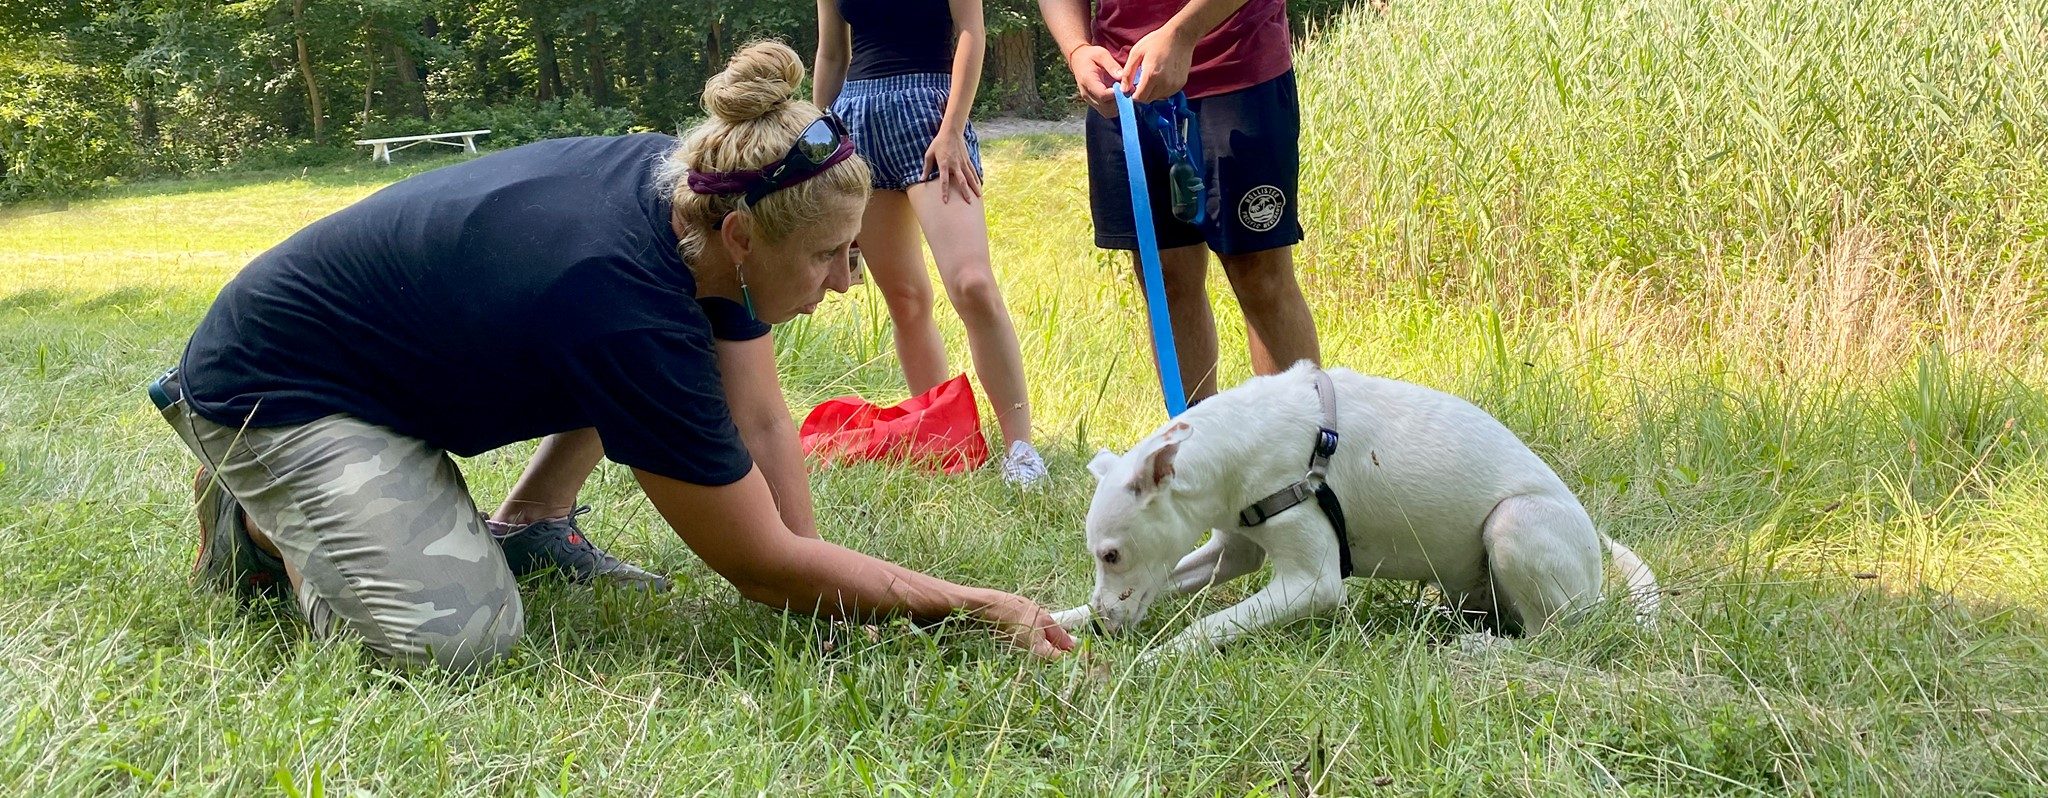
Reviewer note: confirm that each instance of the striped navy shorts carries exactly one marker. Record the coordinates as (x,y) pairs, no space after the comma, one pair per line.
(893,121)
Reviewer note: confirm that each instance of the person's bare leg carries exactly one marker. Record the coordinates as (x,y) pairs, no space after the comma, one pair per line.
(957,233)
(552,480)
(1186,272)
(895,258)
(262,541)
(1277,319)
(536,526)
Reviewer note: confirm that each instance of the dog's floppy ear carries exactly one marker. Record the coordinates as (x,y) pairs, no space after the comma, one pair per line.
(1103,461)
(1156,466)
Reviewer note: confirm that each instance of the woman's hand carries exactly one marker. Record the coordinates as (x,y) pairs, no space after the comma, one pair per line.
(1025,625)
(736,530)
(947,158)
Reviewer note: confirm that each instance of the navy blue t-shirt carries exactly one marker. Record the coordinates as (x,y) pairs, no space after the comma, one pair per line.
(899,37)
(528,292)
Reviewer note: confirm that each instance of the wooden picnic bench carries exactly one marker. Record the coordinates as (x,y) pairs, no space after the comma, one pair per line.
(383,148)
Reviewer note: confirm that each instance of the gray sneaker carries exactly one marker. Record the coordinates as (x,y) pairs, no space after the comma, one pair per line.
(559,544)
(1024,467)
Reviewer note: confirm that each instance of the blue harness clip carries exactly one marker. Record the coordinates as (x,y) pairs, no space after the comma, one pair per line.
(1326,442)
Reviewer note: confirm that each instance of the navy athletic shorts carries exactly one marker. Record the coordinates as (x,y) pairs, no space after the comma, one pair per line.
(1251,155)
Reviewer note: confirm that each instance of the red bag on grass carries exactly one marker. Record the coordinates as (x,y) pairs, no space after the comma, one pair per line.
(940,428)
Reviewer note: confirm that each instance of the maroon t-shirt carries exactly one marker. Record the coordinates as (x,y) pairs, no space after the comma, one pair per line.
(1249,48)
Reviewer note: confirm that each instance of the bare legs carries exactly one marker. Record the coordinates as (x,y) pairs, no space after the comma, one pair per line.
(1277,319)
(957,233)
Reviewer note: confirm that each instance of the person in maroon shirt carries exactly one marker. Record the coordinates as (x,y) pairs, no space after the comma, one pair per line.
(1234,59)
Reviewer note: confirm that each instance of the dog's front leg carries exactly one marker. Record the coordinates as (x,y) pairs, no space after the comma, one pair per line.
(1226,556)
(1280,601)
(1304,583)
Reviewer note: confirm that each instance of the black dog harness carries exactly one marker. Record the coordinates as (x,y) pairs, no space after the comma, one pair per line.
(1314,483)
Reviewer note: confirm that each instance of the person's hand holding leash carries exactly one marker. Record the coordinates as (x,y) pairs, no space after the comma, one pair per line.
(1096,73)
(1160,63)
(947,158)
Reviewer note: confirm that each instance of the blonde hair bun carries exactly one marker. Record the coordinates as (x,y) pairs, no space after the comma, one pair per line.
(761,78)
(754,117)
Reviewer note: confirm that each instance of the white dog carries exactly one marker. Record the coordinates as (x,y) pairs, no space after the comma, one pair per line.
(1431,489)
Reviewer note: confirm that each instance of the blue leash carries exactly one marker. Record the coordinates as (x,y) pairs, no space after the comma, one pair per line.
(1164,353)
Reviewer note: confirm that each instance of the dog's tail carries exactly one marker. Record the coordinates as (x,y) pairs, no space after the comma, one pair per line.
(1642,582)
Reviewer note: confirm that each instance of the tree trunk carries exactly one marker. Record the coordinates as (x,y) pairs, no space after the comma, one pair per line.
(496,84)
(636,56)
(1013,63)
(306,71)
(144,110)
(570,65)
(600,80)
(143,104)
(658,54)
(375,55)
(714,50)
(550,69)
(409,83)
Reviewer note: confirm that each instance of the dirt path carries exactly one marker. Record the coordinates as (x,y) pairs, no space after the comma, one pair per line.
(1004,127)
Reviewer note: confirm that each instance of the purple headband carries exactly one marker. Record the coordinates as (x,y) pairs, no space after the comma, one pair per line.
(793,169)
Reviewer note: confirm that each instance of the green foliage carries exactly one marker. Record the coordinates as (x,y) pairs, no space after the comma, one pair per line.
(123,89)
(1490,145)
(1306,17)
(56,132)
(292,154)
(131,88)
(516,123)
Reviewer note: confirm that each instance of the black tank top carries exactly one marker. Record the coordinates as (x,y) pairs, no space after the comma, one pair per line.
(898,37)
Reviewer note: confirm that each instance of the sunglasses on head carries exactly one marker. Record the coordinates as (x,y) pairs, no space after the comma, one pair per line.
(821,145)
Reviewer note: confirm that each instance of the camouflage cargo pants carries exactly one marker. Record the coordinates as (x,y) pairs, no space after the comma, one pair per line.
(377,530)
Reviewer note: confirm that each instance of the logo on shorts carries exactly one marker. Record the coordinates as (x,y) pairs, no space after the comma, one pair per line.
(1261,208)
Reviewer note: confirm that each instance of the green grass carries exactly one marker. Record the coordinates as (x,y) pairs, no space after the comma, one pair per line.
(1763,282)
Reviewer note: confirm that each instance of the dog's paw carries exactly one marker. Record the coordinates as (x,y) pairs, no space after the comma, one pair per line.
(1483,644)
(1153,658)
(1073,620)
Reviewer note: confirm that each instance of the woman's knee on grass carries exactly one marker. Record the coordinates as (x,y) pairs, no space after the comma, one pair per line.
(443,627)
(490,639)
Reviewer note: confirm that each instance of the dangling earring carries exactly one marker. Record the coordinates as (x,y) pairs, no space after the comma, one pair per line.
(746,297)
